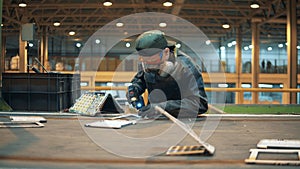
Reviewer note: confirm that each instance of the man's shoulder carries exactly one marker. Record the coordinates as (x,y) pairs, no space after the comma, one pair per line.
(186,62)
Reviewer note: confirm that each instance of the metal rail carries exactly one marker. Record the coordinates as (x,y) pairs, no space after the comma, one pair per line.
(206,89)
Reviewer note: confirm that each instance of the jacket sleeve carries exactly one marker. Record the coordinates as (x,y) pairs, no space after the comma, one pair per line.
(194,99)
(138,83)
(190,105)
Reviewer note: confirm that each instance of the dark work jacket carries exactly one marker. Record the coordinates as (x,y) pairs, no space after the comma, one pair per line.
(181,94)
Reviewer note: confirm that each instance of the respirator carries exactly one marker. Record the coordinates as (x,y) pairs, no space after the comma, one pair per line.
(164,69)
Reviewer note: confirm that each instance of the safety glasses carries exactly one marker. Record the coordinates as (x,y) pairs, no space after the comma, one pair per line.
(152,60)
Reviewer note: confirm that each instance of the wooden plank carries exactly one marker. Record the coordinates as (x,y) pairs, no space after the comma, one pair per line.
(210,149)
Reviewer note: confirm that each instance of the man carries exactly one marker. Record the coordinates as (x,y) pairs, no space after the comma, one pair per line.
(173,81)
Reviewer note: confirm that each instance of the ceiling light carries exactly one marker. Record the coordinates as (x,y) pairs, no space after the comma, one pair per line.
(71,33)
(269,48)
(226,26)
(22,4)
(97,41)
(119,24)
(167,4)
(78,45)
(223,85)
(162,24)
(107,3)
(127,44)
(56,23)
(246,48)
(254,5)
(280,45)
(208,42)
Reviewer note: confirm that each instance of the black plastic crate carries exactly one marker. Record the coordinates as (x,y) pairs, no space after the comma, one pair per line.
(40,92)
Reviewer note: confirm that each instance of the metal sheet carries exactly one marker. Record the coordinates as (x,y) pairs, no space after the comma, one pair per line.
(254,153)
(278,143)
(21,124)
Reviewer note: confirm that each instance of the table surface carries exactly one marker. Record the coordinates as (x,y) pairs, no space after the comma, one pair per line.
(64,142)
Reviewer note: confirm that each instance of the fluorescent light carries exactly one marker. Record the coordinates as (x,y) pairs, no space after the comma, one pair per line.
(223,85)
(119,24)
(97,41)
(254,5)
(22,4)
(78,44)
(226,26)
(107,3)
(167,4)
(109,84)
(246,85)
(265,85)
(162,24)
(71,33)
(246,48)
(56,23)
(128,84)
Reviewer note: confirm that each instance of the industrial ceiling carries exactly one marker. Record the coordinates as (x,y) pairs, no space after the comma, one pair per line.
(87,16)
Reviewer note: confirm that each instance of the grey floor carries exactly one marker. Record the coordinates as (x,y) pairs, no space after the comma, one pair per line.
(64,142)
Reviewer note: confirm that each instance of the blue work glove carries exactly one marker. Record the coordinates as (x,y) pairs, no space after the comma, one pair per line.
(149,112)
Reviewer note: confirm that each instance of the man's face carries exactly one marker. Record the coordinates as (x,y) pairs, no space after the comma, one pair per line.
(152,63)
(155,59)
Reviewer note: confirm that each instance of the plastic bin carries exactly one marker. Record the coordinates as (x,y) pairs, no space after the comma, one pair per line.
(40,92)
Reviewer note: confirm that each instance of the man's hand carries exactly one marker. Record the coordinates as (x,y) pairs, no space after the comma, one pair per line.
(132,94)
(149,112)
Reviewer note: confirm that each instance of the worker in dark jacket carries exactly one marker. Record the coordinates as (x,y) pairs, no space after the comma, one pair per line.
(174,82)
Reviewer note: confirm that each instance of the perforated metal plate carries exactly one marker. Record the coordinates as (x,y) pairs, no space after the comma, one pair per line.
(186,150)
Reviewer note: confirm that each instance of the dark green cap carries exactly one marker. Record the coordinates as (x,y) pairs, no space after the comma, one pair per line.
(150,43)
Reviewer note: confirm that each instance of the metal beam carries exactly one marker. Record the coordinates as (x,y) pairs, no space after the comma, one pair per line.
(292,48)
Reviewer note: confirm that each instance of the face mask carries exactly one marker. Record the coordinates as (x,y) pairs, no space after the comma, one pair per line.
(166,69)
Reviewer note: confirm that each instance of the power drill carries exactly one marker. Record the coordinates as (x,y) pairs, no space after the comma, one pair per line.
(138,103)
